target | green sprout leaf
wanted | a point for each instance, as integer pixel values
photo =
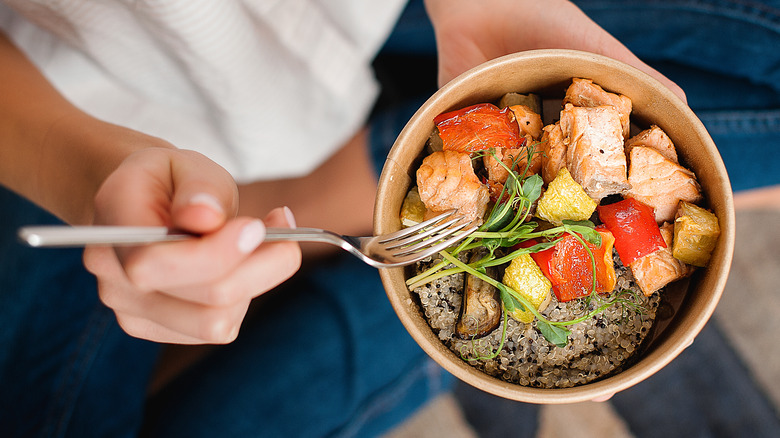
(584, 228)
(510, 302)
(556, 334)
(532, 187)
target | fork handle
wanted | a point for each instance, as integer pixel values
(64, 236)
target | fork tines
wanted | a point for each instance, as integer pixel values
(430, 236)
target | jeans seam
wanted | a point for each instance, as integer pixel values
(748, 11)
(750, 121)
(74, 374)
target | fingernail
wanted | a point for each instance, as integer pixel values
(289, 216)
(207, 200)
(251, 236)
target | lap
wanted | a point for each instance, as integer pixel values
(66, 367)
(324, 355)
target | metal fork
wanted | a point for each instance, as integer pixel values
(400, 248)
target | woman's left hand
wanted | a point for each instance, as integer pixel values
(469, 33)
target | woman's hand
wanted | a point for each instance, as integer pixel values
(195, 291)
(469, 33)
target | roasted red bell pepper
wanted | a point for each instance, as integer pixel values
(479, 127)
(542, 258)
(569, 268)
(634, 227)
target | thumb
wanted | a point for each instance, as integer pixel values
(614, 49)
(205, 195)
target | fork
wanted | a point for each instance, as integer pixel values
(400, 248)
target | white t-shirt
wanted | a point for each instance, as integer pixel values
(266, 88)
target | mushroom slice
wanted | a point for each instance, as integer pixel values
(481, 309)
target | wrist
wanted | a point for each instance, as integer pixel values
(77, 154)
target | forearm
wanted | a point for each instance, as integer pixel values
(50, 151)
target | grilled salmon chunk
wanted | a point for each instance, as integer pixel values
(583, 92)
(660, 183)
(530, 125)
(657, 269)
(553, 150)
(594, 149)
(654, 138)
(446, 181)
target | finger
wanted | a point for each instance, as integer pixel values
(157, 316)
(103, 262)
(668, 83)
(267, 267)
(205, 194)
(612, 48)
(597, 40)
(168, 187)
(150, 313)
(201, 260)
(603, 398)
(143, 328)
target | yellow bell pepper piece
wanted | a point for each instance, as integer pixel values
(524, 276)
(696, 232)
(413, 209)
(565, 200)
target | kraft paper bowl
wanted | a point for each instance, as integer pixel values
(548, 72)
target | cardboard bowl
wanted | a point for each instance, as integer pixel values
(548, 72)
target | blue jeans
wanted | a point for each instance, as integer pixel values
(66, 369)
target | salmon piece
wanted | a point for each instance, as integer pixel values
(654, 138)
(583, 92)
(498, 173)
(446, 181)
(657, 269)
(553, 152)
(530, 124)
(660, 183)
(594, 149)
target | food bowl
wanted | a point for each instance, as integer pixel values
(548, 73)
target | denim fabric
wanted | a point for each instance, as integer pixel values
(66, 369)
(325, 356)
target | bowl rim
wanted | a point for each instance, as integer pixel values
(656, 359)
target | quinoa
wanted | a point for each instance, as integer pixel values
(597, 347)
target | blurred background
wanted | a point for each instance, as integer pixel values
(727, 383)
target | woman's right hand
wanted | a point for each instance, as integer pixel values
(195, 291)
